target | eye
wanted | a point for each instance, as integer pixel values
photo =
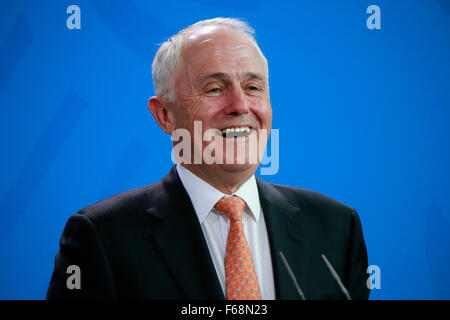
(252, 88)
(214, 90)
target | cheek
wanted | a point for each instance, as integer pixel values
(207, 111)
(189, 110)
(263, 110)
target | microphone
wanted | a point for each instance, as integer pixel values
(291, 275)
(336, 277)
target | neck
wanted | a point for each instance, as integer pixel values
(224, 178)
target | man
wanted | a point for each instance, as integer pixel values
(211, 229)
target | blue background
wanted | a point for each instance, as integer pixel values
(363, 117)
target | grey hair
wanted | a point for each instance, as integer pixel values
(167, 58)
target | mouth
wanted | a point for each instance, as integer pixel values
(236, 132)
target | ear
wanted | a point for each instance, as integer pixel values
(162, 113)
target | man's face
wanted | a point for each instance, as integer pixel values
(222, 83)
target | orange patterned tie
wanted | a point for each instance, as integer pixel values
(240, 273)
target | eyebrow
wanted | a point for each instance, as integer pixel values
(225, 76)
(255, 76)
(216, 75)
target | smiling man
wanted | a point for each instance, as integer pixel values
(221, 80)
(211, 229)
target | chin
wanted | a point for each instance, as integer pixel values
(235, 168)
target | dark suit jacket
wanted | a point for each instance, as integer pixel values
(147, 243)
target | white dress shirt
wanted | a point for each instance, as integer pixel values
(215, 226)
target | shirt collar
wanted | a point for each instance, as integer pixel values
(204, 196)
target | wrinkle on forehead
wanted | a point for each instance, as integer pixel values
(237, 50)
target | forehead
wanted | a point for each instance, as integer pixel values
(221, 49)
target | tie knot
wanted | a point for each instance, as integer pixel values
(232, 207)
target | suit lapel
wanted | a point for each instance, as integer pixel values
(179, 240)
(284, 221)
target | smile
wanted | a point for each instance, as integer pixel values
(236, 132)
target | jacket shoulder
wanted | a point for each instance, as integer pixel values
(124, 209)
(123, 202)
(313, 200)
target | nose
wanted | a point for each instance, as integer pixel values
(237, 102)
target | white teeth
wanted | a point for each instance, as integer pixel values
(237, 129)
